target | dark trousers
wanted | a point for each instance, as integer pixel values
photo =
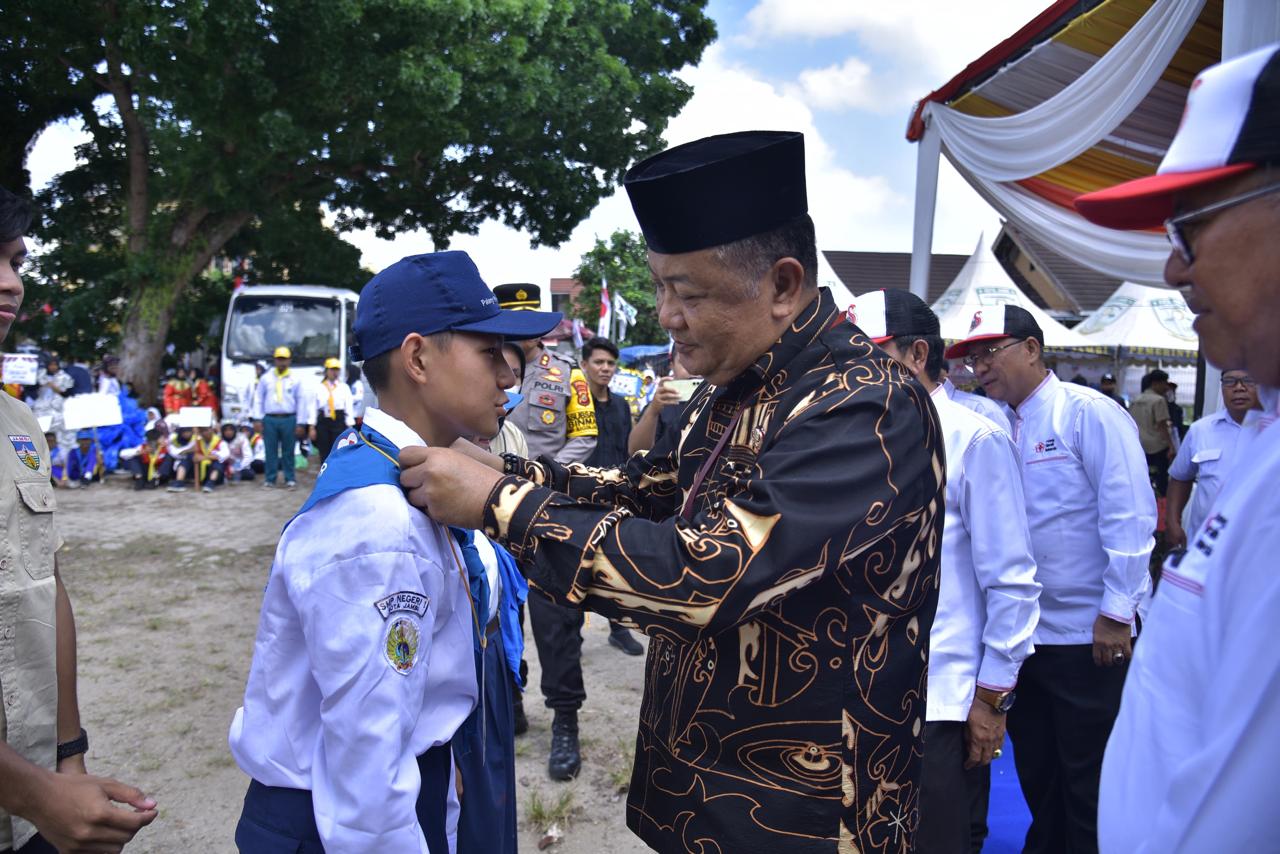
(1158, 465)
(278, 437)
(944, 805)
(37, 845)
(1059, 726)
(484, 750)
(979, 786)
(557, 631)
(327, 432)
(276, 820)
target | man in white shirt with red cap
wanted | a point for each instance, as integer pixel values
(1191, 765)
(988, 594)
(1092, 514)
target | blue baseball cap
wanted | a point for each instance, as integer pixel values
(435, 292)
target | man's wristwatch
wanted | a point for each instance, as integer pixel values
(1001, 701)
(74, 747)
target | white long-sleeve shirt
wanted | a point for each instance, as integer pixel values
(1090, 508)
(363, 661)
(292, 399)
(1191, 763)
(984, 406)
(987, 597)
(343, 406)
(1205, 456)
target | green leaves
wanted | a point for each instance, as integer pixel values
(623, 261)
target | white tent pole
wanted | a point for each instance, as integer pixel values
(928, 149)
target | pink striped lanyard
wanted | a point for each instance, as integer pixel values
(705, 468)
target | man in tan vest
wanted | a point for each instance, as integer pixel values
(47, 800)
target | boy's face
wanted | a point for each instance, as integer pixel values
(467, 391)
(229, 432)
(51, 439)
(85, 445)
(12, 254)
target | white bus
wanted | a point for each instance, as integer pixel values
(314, 322)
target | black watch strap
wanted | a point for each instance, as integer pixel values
(74, 747)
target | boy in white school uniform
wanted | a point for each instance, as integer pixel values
(363, 665)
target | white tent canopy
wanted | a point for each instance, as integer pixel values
(982, 283)
(1140, 319)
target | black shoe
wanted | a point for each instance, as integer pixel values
(522, 721)
(621, 638)
(566, 759)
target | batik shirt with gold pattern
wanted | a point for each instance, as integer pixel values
(788, 615)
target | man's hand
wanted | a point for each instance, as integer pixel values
(449, 486)
(76, 813)
(1112, 643)
(1174, 535)
(479, 454)
(666, 395)
(983, 734)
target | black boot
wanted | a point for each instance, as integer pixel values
(521, 721)
(566, 760)
(621, 638)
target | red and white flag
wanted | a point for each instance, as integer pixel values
(606, 310)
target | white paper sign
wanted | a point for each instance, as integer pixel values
(83, 411)
(21, 368)
(194, 416)
(627, 385)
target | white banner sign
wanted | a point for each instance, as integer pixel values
(83, 411)
(21, 368)
(194, 416)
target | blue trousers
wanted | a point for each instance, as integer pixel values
(486, 757)
(278, 439)
(276, 820)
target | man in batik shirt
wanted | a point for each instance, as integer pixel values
(780, 550)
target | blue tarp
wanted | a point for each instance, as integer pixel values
(636, 352)
(128, 434)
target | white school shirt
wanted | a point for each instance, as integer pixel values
(1090, 507)
(1191, 762)
(340, 699)
(984, 406)
(341, 401)
(1206, 455)
(987, 608)
(109, 385)
(294, 400)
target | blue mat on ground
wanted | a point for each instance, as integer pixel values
(1007, 817)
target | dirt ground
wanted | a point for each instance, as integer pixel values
(166, 590)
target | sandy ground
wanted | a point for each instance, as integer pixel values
(166, 590)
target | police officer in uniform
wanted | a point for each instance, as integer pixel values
(557, 417)
(47, 801)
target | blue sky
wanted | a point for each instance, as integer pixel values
(845, 72)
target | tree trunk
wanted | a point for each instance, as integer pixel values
(143, 338)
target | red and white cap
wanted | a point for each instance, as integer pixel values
(1231, 125)
(997, 321)
(885, 314)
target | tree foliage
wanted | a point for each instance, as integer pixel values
(623, 261)
(395, 114)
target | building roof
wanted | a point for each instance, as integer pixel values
(1087, 288)
(868, 271)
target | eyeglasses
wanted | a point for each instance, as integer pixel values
(984, 357)
(1180, 236)
(1243, 382)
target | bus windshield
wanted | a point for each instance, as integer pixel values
(308, 326)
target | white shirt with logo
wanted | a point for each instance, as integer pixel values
(363, 661)
(1090, 507)
(1191, 763)
(1206, 455)
(987, 596)
(984, 406)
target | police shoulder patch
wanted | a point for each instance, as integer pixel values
(401, 644)
(405, 600)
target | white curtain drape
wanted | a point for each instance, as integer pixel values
(1135, 256)
(1010, 148)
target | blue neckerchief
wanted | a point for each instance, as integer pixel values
(84, 462)
(359, 458)
(515, 590)
(476, 577)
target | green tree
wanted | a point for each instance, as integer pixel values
(395, 114)
(623, 261)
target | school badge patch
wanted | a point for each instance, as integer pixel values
(25, 448)
(401, 644)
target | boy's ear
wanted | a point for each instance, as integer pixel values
(417, 355)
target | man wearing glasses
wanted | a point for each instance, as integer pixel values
(1192, 761)
(1205, 457)
(1091, 513)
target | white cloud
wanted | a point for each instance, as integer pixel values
(55, 152)
(847, 85)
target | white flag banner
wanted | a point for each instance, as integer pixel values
(626, 315)
(606, 310)
(578, 327)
